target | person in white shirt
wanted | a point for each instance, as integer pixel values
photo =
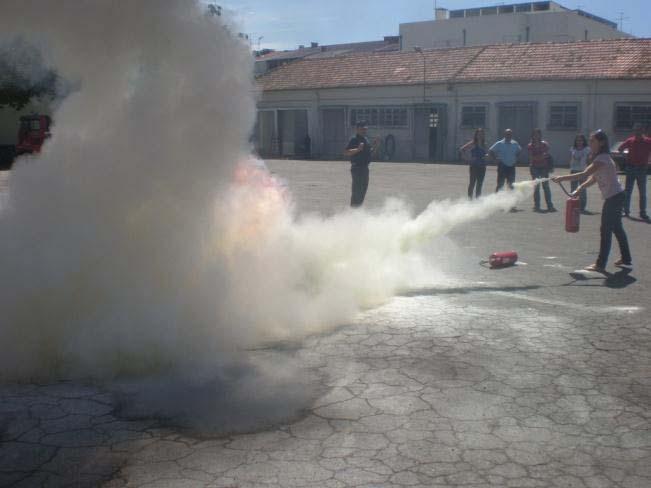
(603, 171)
(579, 156)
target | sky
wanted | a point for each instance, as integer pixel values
(284, 24)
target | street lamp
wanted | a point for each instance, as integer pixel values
(419, 50)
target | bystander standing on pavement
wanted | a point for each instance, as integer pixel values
(639, 152)
(506, 152)
(540, 167)
(579, 154)
(603, 171)
(475, 152)
(359, 150)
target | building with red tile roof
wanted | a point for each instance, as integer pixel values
(611, 59)
(431, 101)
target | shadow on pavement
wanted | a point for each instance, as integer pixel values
(620, 279)
(465, 290)
(636, 219)
(244, 397)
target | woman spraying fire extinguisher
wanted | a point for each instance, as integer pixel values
(602, 170)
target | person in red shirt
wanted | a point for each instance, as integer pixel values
(539, 163)
(639, 152)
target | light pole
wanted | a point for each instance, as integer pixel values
(419, 50)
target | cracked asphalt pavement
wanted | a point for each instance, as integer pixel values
(532, 376)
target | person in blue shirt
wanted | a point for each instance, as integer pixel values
(506, 152)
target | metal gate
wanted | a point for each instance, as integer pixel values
(292, 130)
(266, 131)
(520, 117)
(334, 132)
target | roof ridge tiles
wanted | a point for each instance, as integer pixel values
(530, 61)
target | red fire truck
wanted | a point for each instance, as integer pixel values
(33, 131)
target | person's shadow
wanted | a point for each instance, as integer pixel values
(619, 279)
(636, 219)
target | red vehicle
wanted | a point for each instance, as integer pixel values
(621, 159)
(34, 129)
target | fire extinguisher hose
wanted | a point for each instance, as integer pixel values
(564, 190)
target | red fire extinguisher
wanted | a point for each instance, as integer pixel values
(572, 212)
(502, 259)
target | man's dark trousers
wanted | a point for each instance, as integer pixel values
(360, 184)
(635, 174)
(505, 173)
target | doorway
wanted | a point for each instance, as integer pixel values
(292, 131)
(334, 132)
(520, 117)
(265, 130)
(428, 136)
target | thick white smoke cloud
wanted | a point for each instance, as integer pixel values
(103, 241)
(318, 271)
(126, 248)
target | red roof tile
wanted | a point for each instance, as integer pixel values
(610, 59)
(607, 59)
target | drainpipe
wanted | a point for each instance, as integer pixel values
(454, 119)
(419, 50)
(593, 103)
(279, 149)
(317, 132)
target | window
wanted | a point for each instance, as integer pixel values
(29, 124)
(523, 7)
(368, 115)
(563, 116)
(473, 116)
(540, 6)
(379, 116)
(627, 115)
(489, 11)
(393, 117)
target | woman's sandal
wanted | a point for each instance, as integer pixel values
(623, 264)
(595, 267)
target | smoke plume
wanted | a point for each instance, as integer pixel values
(145, 240)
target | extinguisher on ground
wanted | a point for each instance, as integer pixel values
(502, 259)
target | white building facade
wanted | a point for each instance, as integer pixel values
(560, 109)
(505, 24)
(429, 121)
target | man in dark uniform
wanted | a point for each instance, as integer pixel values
(359, 151)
